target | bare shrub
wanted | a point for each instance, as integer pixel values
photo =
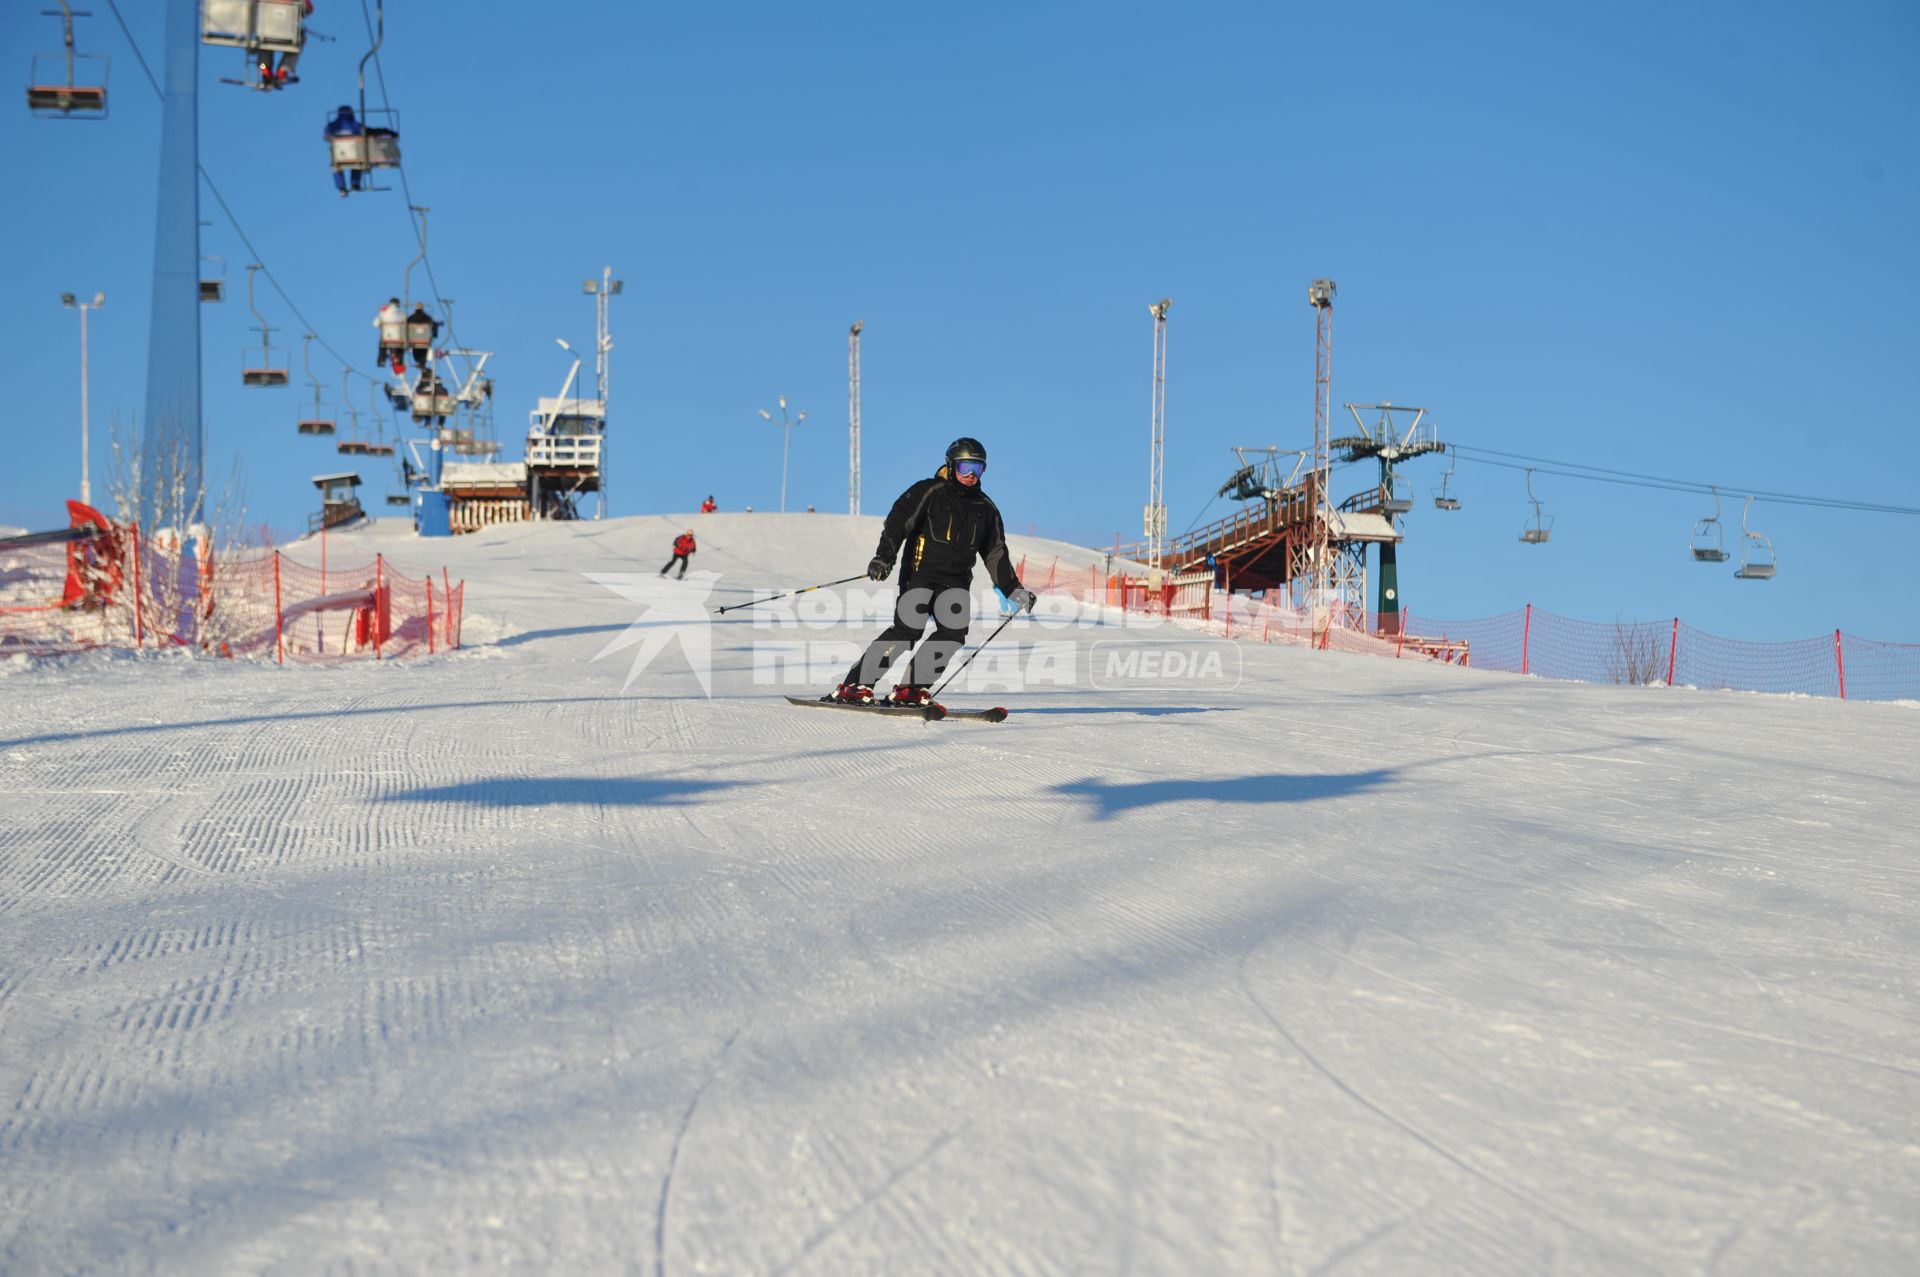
(1636, 657)
(189, 550)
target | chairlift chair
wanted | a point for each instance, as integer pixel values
(399, 498)
(1396, 494)
(1443, 498)
(1756, 552)
(352, 446)
(432, 401)
(260, 29)
(214, 289)
(1542, 528)
(266, 372)
(319, 423)
(1707, 544)
(68, 85)
(419, 335)
(375, 147)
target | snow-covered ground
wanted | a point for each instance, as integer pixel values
(493, 961)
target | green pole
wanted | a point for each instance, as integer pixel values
(1388, 608)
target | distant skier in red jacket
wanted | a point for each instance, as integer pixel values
(683, 548)
(708, 506)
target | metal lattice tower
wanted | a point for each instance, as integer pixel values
(1156, 512)
(853, 417)
(1313, 573)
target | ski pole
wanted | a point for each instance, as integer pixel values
(860, 576)
(955, 672)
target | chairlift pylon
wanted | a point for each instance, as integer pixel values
(262, 30)
(1542, 527)
(1443, 499)
(56, 89)
(1707, 543)
(1756, 552)
(265, 373)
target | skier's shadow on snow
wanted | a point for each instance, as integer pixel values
(531, 636)
(578, 791)
(1146, 711)
(1110, 799)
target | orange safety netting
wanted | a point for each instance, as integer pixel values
(115, 588)
(1531, 641)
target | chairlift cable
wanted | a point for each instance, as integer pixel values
(386, 104)
(1627, 478)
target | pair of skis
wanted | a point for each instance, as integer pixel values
(932, 712)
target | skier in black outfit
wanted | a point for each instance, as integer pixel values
(941, 523)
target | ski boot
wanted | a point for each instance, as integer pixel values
(853, 694)
(914, 694)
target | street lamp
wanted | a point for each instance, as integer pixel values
(786, 432)
(71, 303)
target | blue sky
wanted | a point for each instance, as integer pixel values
(1673, 240)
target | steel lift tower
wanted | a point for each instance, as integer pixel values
(1390, 442)
(853, 417)
(1155, 520)
(1312, 574)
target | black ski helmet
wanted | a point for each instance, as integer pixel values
(966, 449)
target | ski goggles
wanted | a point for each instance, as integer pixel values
(973, 469)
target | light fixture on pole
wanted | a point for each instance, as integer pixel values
(72, 303)
(1156, 512)
(786, 432)
(603, 291)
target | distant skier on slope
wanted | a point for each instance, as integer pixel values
(941, 523)
(683, 548)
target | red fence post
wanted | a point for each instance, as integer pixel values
(1400, 638)
(139, 626)
(1526, 632)
(279, 657)
(1673, 650)
(429, 616)
(1839, 666)
(379, 590)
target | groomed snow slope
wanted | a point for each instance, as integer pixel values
(483, 963)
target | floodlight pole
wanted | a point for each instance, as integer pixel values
(786, 448)
(1156, 516)
(72, 303)
(853, 417)
(603, 291)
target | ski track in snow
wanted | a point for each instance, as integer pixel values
(481, 962)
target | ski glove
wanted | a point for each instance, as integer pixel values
(1023, 598)
(878, 569)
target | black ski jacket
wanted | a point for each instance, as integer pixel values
(941, 524)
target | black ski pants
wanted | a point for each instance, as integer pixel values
(945, 605)
(681, 559)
